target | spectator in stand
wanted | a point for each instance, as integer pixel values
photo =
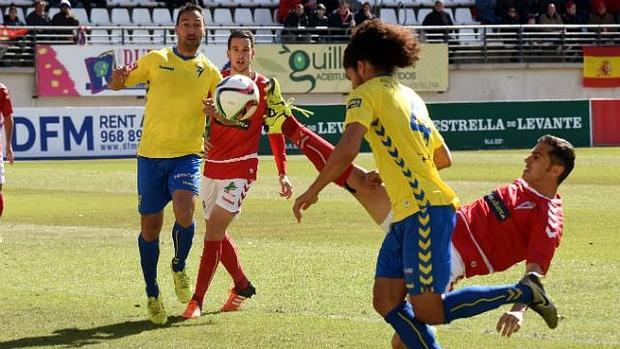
(438, 17)
(511, 17)
(285, 7)
(550, 17)
(295, 19)
(341, 18)
(364, 13)
(571, 16)
(11, 18)
(613, 7)
(65, 17)
(318, 19)
(528, 11)
(38, 16)
(601, 16)
(330, 5)
(501, 10)
(487, 10)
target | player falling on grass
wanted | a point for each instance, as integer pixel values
(6, 148)
(230, 168)
(415, 256)
(169, 153)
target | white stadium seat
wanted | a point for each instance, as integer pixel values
(161, 16)
(406, 16)
(243, 16)
(222, 16)
(141, 16)
(120, 16)
(99, 16)
(141, 36)
(463, 15)
(263, 16)
(80, 15)
(220, 36)
(388, 15)
(264, 36)
(98, 36)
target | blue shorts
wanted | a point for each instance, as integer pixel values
(159, 178)
(417, 249)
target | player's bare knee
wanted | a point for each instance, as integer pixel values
(428, 308)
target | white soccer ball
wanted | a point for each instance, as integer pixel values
(236, 98)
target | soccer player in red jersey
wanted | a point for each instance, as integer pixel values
(231, 164)
(6, 122)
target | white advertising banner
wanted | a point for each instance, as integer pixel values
(73, 70)
(76, 133)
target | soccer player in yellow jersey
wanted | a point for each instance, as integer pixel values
(169, 153)
(415, 256)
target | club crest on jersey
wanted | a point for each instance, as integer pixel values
(199, 70)
(354, 103)
(527, 205)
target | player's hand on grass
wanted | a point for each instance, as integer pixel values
(303, 202)
(286, 188)
(373, 180)
(510, 323)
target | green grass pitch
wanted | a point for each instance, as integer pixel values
(70, 275)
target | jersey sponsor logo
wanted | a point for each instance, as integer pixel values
(230, 187)
(199, 70)
(497, 206)
(166, 67)
(354, 103)
(527, 205)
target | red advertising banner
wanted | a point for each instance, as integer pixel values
(605, 121)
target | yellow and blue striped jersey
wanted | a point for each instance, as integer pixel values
(174, 122)
(403, 139)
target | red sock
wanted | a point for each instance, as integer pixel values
(315, 148)
(230, 260)
(1, 204)
(211, 254)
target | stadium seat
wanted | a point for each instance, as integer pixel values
(426, 3)
(116, 36)
(222, 16)
(98, 37)
(422, 14)
(161, 16)
(141, 16)
(263, 16)
(99, 16)
(141, 36)
(462, 15)
(406, 16)
(468, 36)
(265, 3)
(120, 16)
(80, 15)
(388, 15)
(243, 16)
(264, 36)
(220, 36)
(20, 14)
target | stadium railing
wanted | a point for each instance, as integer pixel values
(466, 43)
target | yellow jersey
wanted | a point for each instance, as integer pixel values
(174, 122)
(403, 139)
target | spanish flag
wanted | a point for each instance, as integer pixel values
(601, 66)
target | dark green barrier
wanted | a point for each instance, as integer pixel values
(492, 125)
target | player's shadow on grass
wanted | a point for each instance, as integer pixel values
(75, 337)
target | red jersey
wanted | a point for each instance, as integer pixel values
(509, 225)
(234, 151)
(6, 107)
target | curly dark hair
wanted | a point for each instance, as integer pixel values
(386, 46)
